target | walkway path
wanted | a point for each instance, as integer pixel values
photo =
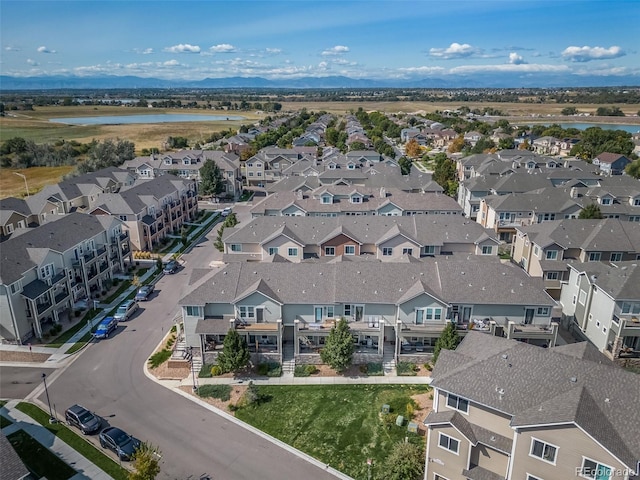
(85, 468)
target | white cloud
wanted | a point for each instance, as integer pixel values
(32, 62)
(455, 50)
(183, 48)
(515, 59)
(44, 49)
(337, 50)
(171, 63)
(143, 51)
(11, 49)
(422, 70)
(273, 51)
(223, 48)
(586, 53)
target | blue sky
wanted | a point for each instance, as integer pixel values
(359, 39)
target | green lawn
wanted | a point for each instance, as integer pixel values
(75, 441)
(38, 458)
(341, 425)
(65, 336)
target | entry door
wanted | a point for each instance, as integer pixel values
(259, 315)
(528, 315)
(359, 311)
(318, 314)
(466, 314)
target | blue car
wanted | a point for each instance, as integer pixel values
(106, 326)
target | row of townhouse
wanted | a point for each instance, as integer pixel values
(46, 270)
(504, 410)
(388, 239)
(315, 132)
(151, 209)
(373, 176)
(356, 133)
(186, 164)
(75, 194)
(393, 309)
(337, 200)
(545, 249)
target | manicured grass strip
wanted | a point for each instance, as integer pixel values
(125, 284)
(75, 441)
(222, 392)
(38, 459)
(86, 338)
(66, 335)
(341, 425)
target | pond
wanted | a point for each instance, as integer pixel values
(604, 126)
(130, 119)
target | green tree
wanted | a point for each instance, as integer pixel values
(159, 263)
(404, 462)
(590, 211)
(569, 111)
(412, 148)
(448, 340)
(252, 394)
(338, 348)
(445, 175)
(405, 165)
(211, 181)
(145, 462)
(633, 169)
(235, 353)
(506, 144)
(357, 146)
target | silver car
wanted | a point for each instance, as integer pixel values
(126, 310)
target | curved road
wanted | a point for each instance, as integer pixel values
(108, 378)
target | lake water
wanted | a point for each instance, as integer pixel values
(129, 119)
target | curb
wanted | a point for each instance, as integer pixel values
(244, 425)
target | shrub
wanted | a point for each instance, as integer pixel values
(407, 369)
(363, 369)
(205, 371)
(216, 370)
(305, 370)
(375, 369)
(116, 282)
(270, 369)
(221, 392)
(428, 366)
(77, 313)
(159, 358)
(233, 407)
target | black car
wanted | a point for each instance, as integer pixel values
(144, 293)
(170, 267)
(120, 442)
(83, 419)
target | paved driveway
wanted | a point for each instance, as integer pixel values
(108, 378)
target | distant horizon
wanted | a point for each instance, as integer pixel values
(455, 44)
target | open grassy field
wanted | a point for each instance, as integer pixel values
(37, 177)
(340, 425)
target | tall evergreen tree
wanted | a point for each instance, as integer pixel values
(590, 211)
(448, 340)
(235, 353)
(338, 348)
(211, 181)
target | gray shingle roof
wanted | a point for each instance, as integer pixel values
(539, 386)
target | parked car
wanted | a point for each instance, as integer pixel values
(144, 293)
(225, 212)
(120, 442)
(126, 310)
(170, 267)
(83, 419)
(105, 327)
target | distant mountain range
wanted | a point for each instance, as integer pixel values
(331, 82)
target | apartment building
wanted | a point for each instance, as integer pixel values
(395, 308)
(601, 301)
(388, 239)
(505, 410)
(47, 269)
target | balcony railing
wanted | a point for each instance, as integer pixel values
(104, 266)
(42, 307)
(61, 297)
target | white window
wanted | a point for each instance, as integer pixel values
(543, 451)
(387, 251)
(273, 250)
(542, 311)
(329, 251)
(251, 174)
(536, 251)
(433, 313)
(616, 257)
(592, 469)
(606, 201)
(236, 247)
(420, 316)
(448, 443)
(636, 202)
(487, 250)
(429, 249)
(292, 252)
(356, 199)
(582, 297)
(552, 254)
(326, 199)
(552, 275)
(9, 228)
(276, 165)
(594, 256)
(258, 174)
(246, 311)
(16, 287)
(459, 403)
(193, 311)
(249, 165)
(46, 271)
(349, 249)
(407, 251)
(630, 307)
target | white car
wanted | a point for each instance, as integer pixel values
(126, 310)
(226, 212)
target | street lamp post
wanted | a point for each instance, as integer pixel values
(52, 419)
(24, 177)
(193, 372)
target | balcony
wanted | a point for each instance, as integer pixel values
(59, 278)
(101, 250)
(92, 273)
(123, 236)
(43, 307)
(104, 266)
(476, 472)
(89, 256)
(61, 297)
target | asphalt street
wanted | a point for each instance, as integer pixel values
(18, 382)
(108, 378)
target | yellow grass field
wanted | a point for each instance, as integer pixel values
(12, 185)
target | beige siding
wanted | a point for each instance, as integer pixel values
(482, 416)
(444, 462)
(572, 443)
(490, 459)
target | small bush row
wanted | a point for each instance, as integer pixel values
(407, 369)
(305, 370)
(221, 392)
(271, 369)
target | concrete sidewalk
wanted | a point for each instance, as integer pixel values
(291, 380)
(85, 468)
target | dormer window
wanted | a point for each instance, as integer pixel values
(635, 202)
(326, 199)
(356, 199)
(606, 201)
(167, 161)
(351, 166)
(186, 161)
(332, 166)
